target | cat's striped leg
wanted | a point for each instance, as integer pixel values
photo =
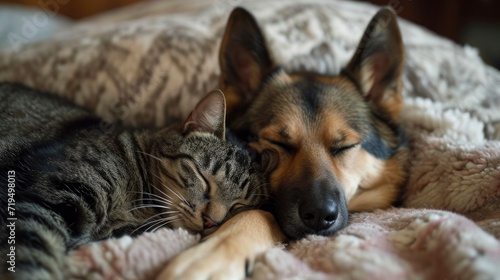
(40, 243)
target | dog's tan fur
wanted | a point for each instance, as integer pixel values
(369, 183)
(371, 85)
(224, 255)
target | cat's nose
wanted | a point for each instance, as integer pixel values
(208, 222)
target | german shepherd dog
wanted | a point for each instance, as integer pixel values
(330, 144)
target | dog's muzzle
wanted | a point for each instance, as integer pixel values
(319, 208)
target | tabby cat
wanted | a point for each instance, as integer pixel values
(75, 180)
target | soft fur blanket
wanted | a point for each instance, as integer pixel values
(391, 244)
(144, 59)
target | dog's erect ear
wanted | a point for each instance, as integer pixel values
(209, 115)
(244, 59)
(377, 64)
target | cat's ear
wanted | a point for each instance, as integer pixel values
(377, 65)
(209, 115)
(244, 59)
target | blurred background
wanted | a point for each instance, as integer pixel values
(472, 22)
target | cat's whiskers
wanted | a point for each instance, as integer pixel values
(180, 196)
(264, 195)
(162, 221)
(162, 213)
(154, 222)
(164, 224)
(161, 181)
(158, 189)
(157, 196)
(151, 156)
(142, 206)
(168, 203)
(263, 184)
(188, 210)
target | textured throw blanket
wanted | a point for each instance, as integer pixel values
(132, 66)
(391, 244)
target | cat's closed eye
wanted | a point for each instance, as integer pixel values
(237, 206)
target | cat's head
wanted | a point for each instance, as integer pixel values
(204, 178)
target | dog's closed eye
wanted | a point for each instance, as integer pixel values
(284, 146)
(337, 151)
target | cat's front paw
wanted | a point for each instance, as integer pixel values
(216, 258)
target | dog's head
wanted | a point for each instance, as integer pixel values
(327, 141)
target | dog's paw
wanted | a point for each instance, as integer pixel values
(215, 258)
(229, 252)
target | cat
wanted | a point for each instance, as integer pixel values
(72, 179)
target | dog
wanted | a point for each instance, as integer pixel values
(330, 144)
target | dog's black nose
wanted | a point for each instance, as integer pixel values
(318, 215)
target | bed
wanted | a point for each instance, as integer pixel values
(148, 64)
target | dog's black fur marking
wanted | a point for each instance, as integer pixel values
(374, 145)
(311, 97)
